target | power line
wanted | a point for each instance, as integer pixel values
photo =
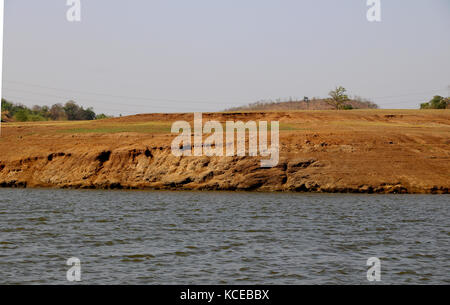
(74, 98)
(113, 96)
(95, 102)
(33, 100)
(22, 99)
(89, 99)
(408, 94)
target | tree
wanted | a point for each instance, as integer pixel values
(57, 112)
(7, 106)
(88, 114)
(338, 98)
(21, 115)
(438, 102)
(40, 112)
(72, 110)
(77, 113)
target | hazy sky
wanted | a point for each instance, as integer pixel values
(205, 55)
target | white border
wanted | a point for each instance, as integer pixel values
(2, 15)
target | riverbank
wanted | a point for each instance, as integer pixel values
(359, 151)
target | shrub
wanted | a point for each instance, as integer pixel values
(36, 118)
(21, 115)
(347, 107)
(102, 116)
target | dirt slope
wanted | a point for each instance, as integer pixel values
(382, 151)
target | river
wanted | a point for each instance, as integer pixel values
(146, 237)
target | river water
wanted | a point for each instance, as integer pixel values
(142, 237)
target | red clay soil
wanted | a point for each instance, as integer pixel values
(360, 151)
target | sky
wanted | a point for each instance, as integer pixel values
(144, 56)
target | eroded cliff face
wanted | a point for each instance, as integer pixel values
(157, 168)
(316, 160)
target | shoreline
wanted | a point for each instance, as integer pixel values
(242, 191)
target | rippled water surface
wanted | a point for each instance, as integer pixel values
(222, 238)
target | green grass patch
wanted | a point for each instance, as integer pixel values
(293, 127)
(150, 127)
(153, 127)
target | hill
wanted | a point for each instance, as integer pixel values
(314, 104)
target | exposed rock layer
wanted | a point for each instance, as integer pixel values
(360, 152)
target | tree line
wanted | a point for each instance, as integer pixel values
(69, 111)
